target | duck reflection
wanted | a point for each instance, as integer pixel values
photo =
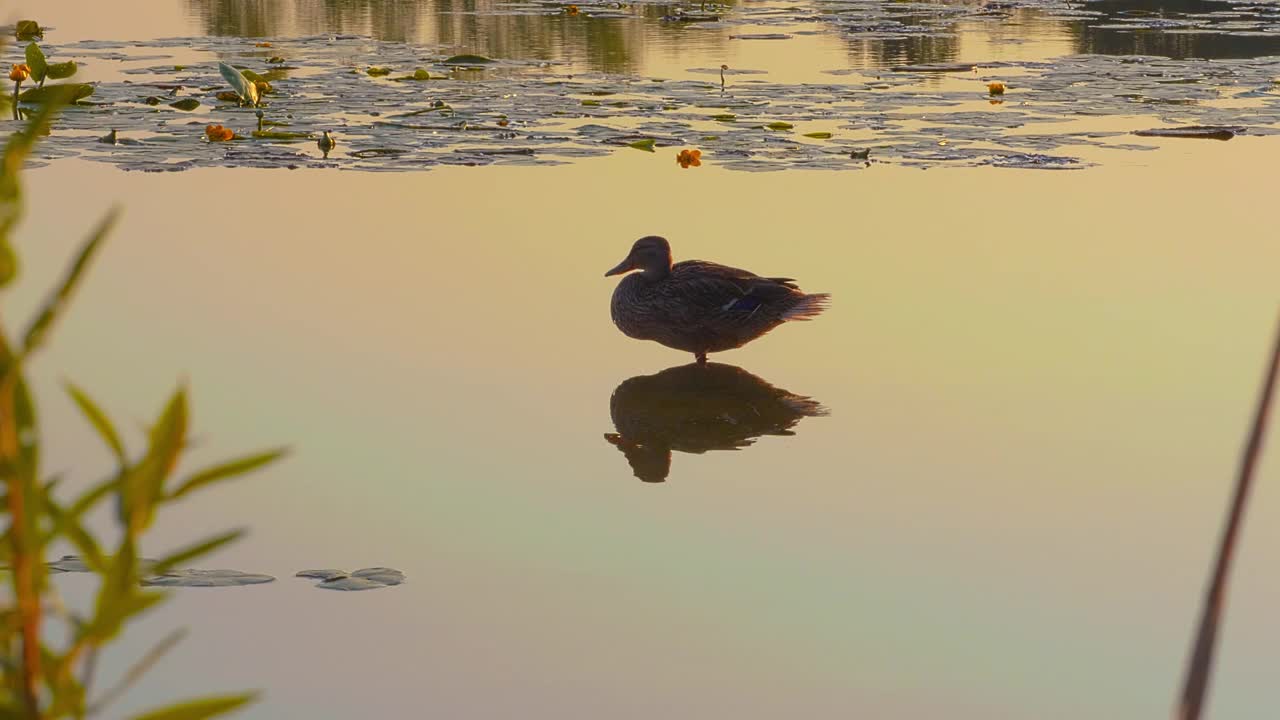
(695, 408)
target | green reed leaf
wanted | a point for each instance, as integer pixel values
(55, 305)
(99, 420)
(191, 552)
(227, 470)
(200, 709)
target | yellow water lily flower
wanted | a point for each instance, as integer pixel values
(20, 73)
(995, 88)
(571, 10)
(689, 158)
(217, 133)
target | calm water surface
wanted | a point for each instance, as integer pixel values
(1037, 382)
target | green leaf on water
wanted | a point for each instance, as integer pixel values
(467, 60)
(646, 144)
(725, 117)
(35, 60)
(27, 30)
(421, 74)
(280, 135)
(75, 92)
(227, 470)
(179, 68)
(378, 71)
(275, 60)
(779, 125)
(62, 70)
(591, 103)
(185, 104)
(199, 709)
(818, 135)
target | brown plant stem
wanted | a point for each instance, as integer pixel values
(1196, 685)
(24, 585)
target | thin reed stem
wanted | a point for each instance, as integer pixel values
(1200, 665)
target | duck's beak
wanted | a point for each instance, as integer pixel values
(621, 267)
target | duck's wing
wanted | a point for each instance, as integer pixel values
(709, 289)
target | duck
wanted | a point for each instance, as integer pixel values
(698, 306)
(326, 143)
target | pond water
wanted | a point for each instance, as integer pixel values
(1033, 383)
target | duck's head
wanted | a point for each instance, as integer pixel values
(650, 255)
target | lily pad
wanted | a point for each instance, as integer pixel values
(62, 70)
(363, 579)
(646, 144)
(36, 61)
(1203, 132)
(206, 578)
(39, 95)
(779, 126)
(347, 582)
(378, 71)
(819, 135)
(467, 60)
(327, 574)
(28, 30)
(280, 135)
(187, 104)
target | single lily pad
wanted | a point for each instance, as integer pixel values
(363, 579)
(819, 135)
(40, 95)
(28, 30)
(280, 135)
(347, 582)
(36, 61)
(378, 71)
(61, 70)
(1204, 132)
(326, 574)
(646, 144)
(185, 104)
(779, 125)
(467, 60)
(206, 578)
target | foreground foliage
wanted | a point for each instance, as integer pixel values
(43, 679)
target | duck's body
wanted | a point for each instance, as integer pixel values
(701, 307)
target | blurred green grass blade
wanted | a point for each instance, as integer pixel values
(200, 709)
(68, 526)
(140, 668)
(55, 305)
(144, 486)
(228, 470)
(92, 496)
(119, 584)
(204, 547)
(99, 420)
(15, 154)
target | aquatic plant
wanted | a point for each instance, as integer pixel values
(49, 652)
(1195, 687)
(689, 158)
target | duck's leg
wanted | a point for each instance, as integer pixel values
(701, 357)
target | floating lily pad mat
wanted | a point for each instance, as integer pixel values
(172, 578)
(363, 579)
(206, 578)
(533, 113)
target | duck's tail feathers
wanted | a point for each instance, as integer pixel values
(808, 307)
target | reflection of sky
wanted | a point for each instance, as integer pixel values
(1038, 384)
(1038, 388)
